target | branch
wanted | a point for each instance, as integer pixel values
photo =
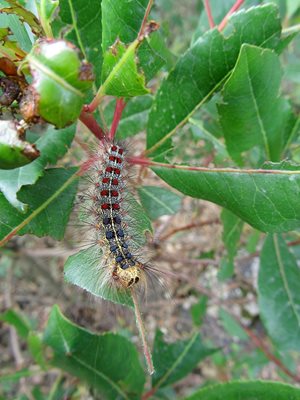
(209, 14)
(188, 227)
(234, 8)
(90, 122)
(140, 160)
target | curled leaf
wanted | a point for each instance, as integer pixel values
(60, 82)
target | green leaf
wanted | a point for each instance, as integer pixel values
(24, 15)
(49, 201)
(134, 116)
(107, 362)
(268, 199)
(174, 361)
(18, 321)
(278, 293)
(16, 376)
(251, 112)
(85, 20)
(231, 326)
(232, 229)
(52, 145)
(122, 19)
(14, 152)
(119, 72)
(60, 83)
(202, 70)
(198, 310)
(159, 201)
(36, 348)
(258, 390)
(86, 270)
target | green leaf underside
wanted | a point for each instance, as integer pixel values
(127, 17)
(134, 116)
(203, 69)
(17, 320)
(86, 270)
(107, 362)
(52, 144)
(251, 112)
(85, 19)
(268, 201)
(175, 360)
(232, 229)
(56, 69)
(278, 293)
(18, 29)
(159, 201)
(50, 202)
(258, 390)
(120, 74)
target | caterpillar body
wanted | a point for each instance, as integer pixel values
(122, 268)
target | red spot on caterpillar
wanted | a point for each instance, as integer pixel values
(116, 171)
(114, 193)
(105, 180)
(115, 182)
(105, 206)
(121, 151)
(116, 206)
(109, 169)
(118, 160)
(112, 158)
(104, 192)
(113, 148)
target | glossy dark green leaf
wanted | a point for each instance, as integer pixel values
(159, 201)
(251, 112)
(258, 390)
(86, 270)
(120, 74)
(198, 310)
(173, 361)
(267, 199)
(278, 293)
(85, 20)
(122, 19)
(50, 202)
(53, 144)
(203, 69)
(232, 229)
(108, 362)
(134, 116)
(60, 82)
(18, 321)
(14, 152)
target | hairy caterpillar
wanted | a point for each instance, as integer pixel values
(108, 213)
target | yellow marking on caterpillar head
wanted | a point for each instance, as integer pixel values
(128, 277)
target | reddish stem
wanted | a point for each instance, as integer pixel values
(144, 22)
(209, 14)
(234, 8)
(89, 121)
(120, 105)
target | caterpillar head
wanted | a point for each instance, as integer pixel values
(128, 277)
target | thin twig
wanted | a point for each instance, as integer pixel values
(209, 14)
(234, 8)
(120, 105)
(188, 227)
(258, 342)
(141, 328)
(144, 22)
